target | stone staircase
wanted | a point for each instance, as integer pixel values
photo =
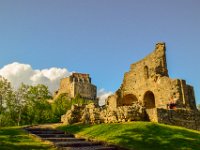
(66, 141)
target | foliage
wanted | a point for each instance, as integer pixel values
(30, 105)
(63, 103)
(12, 138)
(7, 103)
(60, 105)
(139, 135)
(38, 110)
(80, 101)
(26, 105)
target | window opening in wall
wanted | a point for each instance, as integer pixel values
(146, 72)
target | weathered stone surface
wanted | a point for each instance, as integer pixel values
(147, 93)
(180, 117)
(78, 84)
(148, 83)
(73, 115)
(93, 114)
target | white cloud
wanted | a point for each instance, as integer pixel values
(17, 73)
(103, 94)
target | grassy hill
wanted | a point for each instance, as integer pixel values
(140, 135)
(133, 135)
(14, 138)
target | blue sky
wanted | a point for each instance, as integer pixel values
(101, 37)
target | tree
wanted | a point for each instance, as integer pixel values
(60, 105)
(33, 106)
(37, 106)
(63, 103)
(27, 105)
(6, 102)
(22, 101)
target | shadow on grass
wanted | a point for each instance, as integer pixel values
(6, 146)
(16, 139)
(141, 136)
(156, 137)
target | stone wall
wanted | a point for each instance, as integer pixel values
(146, 93)
(92, 113)
(180, 117)
(85, 90)
(77, 84)
(148, 82)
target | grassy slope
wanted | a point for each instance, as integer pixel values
(140, 135)
(13, 138)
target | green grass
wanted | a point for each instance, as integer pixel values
(140, 135)
(14, 138)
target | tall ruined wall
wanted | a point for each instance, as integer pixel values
(82, 86)
(66, 86)
(148, 82)
(145, 75)
(85, 90)
(78, 84)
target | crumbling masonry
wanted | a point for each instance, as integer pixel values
(147, 93)
(77, 84)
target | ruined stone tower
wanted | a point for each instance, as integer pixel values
(148, 83)
(78, 84)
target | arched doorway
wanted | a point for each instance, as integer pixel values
(149, 100)
(129, 99)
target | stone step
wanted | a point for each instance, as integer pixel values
(65, 141)
(98, 147)
(54, 135)
(76, 144)
(40, 129)
(60, 139)
(47, 132)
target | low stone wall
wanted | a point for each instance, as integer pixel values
(73, 115)
(92, 114)
(152, 115)
(180, 117)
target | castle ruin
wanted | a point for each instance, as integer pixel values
(77, 84)
(147, 93)
(148, 83)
